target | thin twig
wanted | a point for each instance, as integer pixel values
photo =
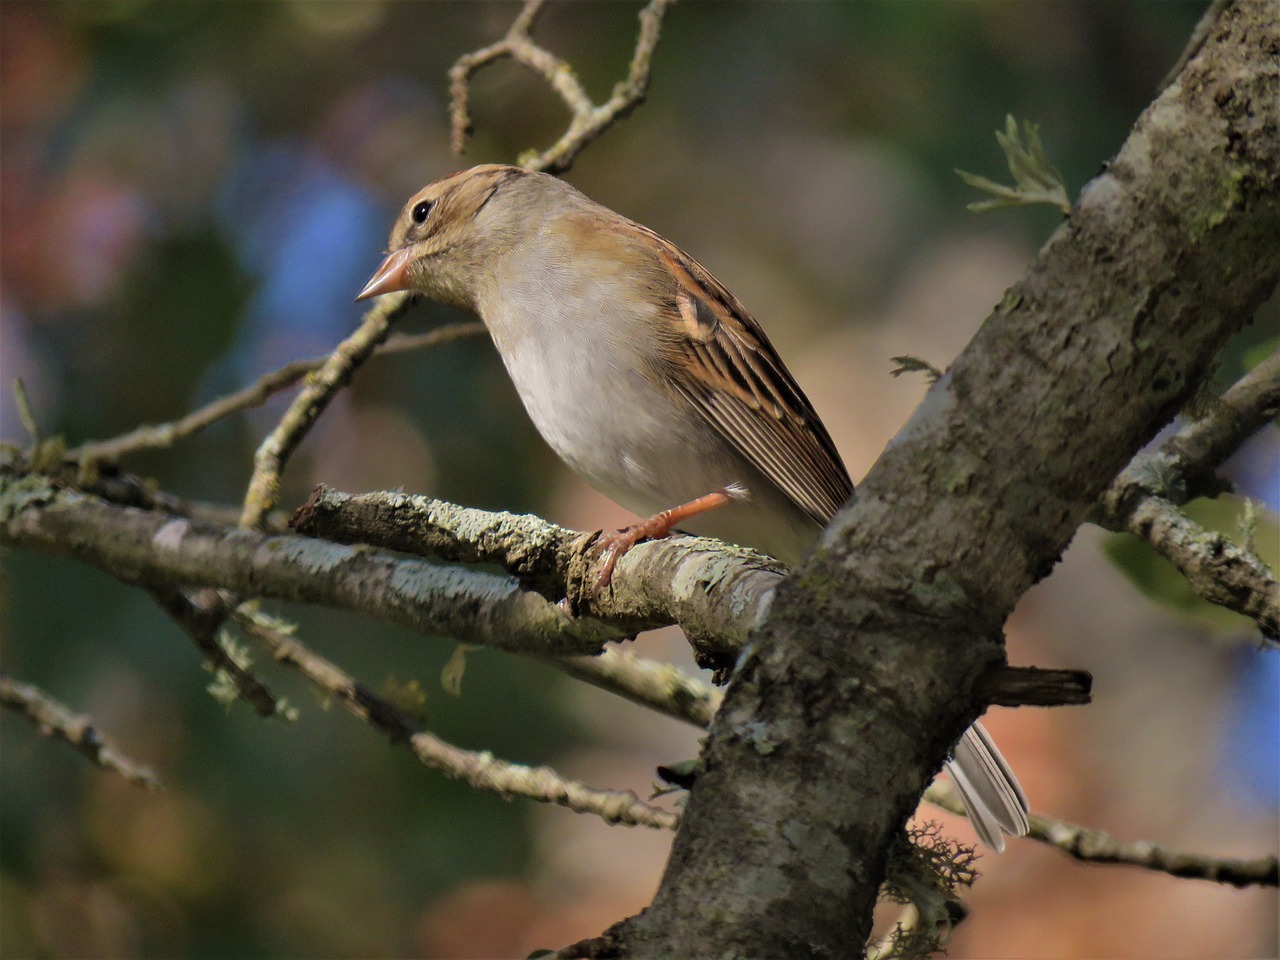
(201, 615)
(164, 435)
(1144, 500)
(268, 463)
(659, 686)
(587, 120)
(55, 719)
(1205, 443)
(481, 770)
(1094, 846)
(130, 490)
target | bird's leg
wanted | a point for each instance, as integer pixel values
(614, 545)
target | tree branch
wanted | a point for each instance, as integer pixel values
(1093, 846)
(201, 616)
(54, 719)
(264, 486)
(587, 120)
(1004, 686)
(1144, 500)
(164, 435)
(481, 770)
(717, 593)
(156, 551)
(659, 686)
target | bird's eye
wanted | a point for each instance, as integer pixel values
(420, 211)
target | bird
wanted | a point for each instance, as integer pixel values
(650, 380)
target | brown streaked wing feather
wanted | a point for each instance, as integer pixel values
(745, 392)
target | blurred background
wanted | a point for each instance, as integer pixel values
(191, 193)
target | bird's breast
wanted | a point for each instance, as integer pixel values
(585, 384)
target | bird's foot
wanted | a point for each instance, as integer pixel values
(614, 545)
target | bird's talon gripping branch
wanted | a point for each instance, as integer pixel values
(614, 545)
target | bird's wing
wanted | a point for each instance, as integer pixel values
(715, 355)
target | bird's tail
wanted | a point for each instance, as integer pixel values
(991, 794)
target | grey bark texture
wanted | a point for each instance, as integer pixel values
(863, 674)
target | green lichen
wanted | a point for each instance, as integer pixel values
(18, 493)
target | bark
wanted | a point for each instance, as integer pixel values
(863, 674)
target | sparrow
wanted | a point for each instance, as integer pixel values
(650, 379)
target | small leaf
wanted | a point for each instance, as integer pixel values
(451, 675)
(682, 774)
(1247, 524)
(223, 689)
(1035, 179)
(24, 411)
(909, 364)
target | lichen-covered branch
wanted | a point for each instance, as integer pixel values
(54, 719)
(1216, 568)
(157, 551)
(201, 614)
(587, 120)
(715, 592)
(1144, 500)
(659, 686)
(479, 769)
(164, 435)
(1094, 846)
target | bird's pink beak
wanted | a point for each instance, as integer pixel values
(390, 276)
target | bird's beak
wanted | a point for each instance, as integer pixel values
(390, 276)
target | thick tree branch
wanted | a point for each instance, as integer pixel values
(156, 551)
(889, 624)
(715, 592)
(54, 719)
